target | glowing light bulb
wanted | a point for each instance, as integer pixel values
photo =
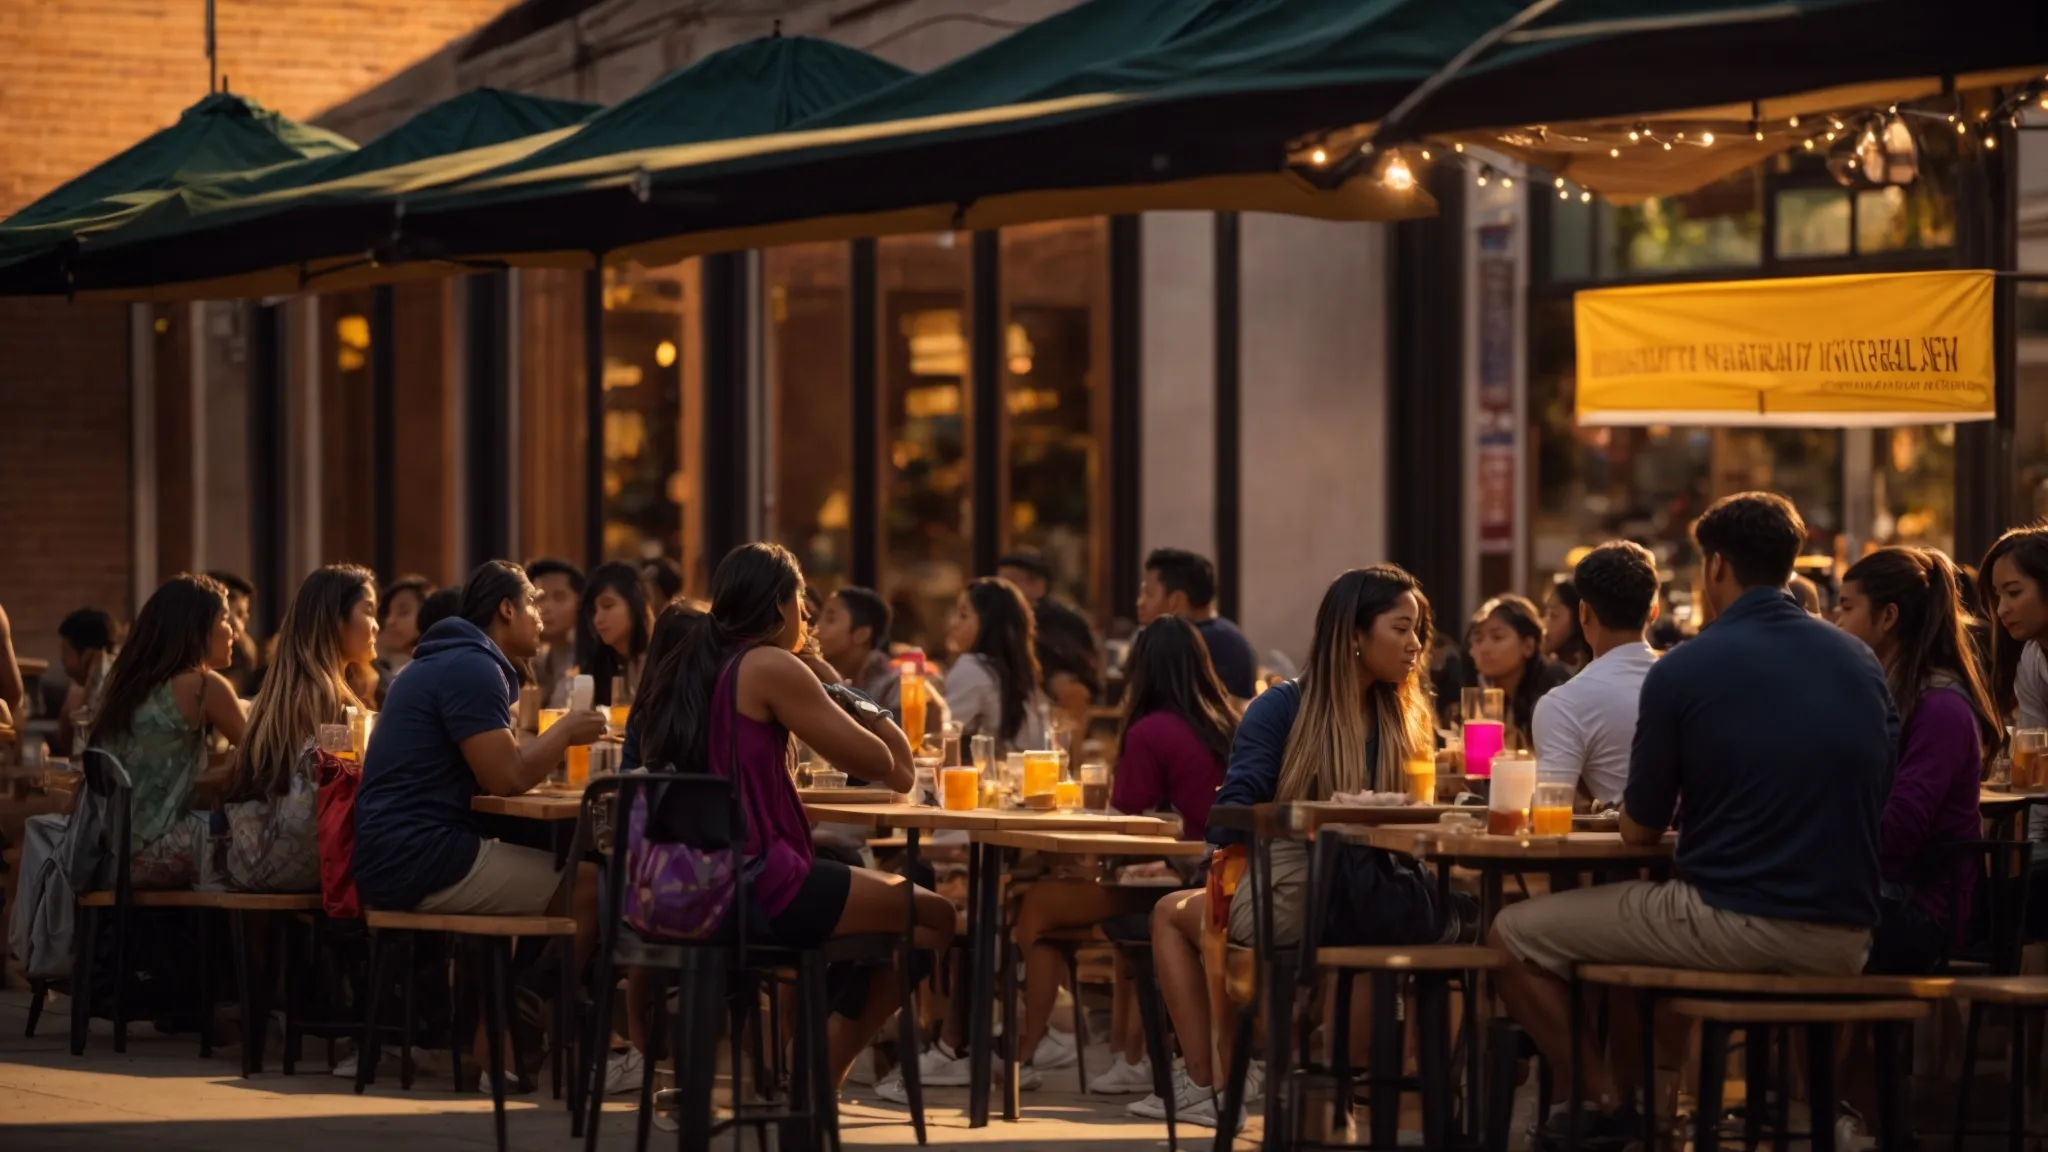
(1634, 135)
(1425, 154)
(1557, 183)
(1759, 135)
(1809, 144)
(1614, 152)
(1667, 145)
(1396, 174)
(1585, 197)
(1507, 181)
(1457, 147)
(1990, 143)
(1793, 121)
(1563, 195)
(1319, 157)
(1707, 139)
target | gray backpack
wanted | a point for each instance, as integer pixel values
(60, 857)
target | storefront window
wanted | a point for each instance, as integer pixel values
(1813, 222)
(1717, 226)
(650, 403)
(923, 308)
(810, 392)
(1056, 389)
(552, 432)
(346, 534)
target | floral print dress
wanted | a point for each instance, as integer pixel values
(164, 755)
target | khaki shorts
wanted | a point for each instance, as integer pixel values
(1290, 897)
(506, 880)
(1669, 926)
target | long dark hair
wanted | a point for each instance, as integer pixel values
(676, 624)
(1169, 671)
(1325, 751)
(2028, 548)
(1008, 640)
(169, 638)
(1538, 672)
(748, 591)
(1576, 650)
(1933, 630)
(595, 657)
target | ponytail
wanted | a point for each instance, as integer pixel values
(748, 591)
(1932, 635)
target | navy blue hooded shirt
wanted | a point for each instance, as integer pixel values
(415, 832)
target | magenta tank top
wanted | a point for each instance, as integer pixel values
(778, 835)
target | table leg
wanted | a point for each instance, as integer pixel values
(1481, 1002)
(980, 969)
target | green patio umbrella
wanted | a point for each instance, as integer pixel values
(221, 134)
(1229, 99)
(324, 233)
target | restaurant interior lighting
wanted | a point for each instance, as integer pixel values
(1396, 174)
(665, 354)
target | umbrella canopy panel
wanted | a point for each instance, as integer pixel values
(221, 134)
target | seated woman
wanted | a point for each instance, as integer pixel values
(1356, 715)
(1173, 738)
(165, 695)
(273, 808)
(612, 630)
(1906, 604)
(728, 699)
(992, 687)
(1563, 639)
(398, 626)
(1505, 645)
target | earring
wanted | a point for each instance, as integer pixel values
(1358, 653)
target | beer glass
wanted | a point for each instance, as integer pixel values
(1485, 711)
(1550, 812)
(1512, 792)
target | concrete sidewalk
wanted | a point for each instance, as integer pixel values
(161, 1096)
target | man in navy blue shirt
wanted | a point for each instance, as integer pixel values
(1182, 583)
(444, 736)
(1769, 740)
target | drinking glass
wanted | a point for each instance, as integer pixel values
(622, 703)
(334, 741)
(1550, 812)
(1418, 777)
(2029, 764)
(1485, 711)
(2000, 773)
(1013, 777)
(548, 716)
(910, 701)
(959, 788)
(927, 764)
(984, 752)
(1512, 790)
(1095, 787)
(1041, 773)
(949, 746)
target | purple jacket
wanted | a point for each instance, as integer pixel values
(1934, 801)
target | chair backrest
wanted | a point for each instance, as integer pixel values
(107, 782)
(698, 810)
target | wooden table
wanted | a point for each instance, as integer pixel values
(1090, 843)
(1305, 817)
(2008, 811)
(532, 805)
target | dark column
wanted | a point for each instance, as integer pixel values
(724, 488)
(384, 432)
(986, 408)
(593, 418)
(1425, 395)
(1122, 535)
(867, 432)
(1985, 238)
(487, 425)
(1229, 404)
(270, 369)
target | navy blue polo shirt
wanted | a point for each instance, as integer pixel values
(1770, 738)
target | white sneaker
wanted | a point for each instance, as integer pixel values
(483, 1083)
(425, 1062)
(346, 1069)
(622, 1072)
(938, 1067)
(863, 1071)
(1055, 1051)
(1123, 1078)
(1185, 1093)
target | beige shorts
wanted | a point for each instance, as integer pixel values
(1290, 897)
(1668, 926)
(505, 880)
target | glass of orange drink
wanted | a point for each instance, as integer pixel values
(959, 789)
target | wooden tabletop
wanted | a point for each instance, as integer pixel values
(1308, 815)
(1091, 843)
(1988, 798)
(532, 805)
(1426, 843)
(980, 819)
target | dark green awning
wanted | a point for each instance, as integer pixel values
(221, 134)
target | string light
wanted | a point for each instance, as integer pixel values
(1396, 174)
(1667, 145)
(1794, 121)
(1614, 152)
(1507, 181)
(1990, 143)
(1635, 135)
(1482, 176)
(1837, 124)
(1557, 183)
(1706, 139)
(1563, 195)
(1425, 154)
(1809, 143)
(1457, 147)
(1961, 129)
(1831, 136)
(1759, 135)
(1585, 197)
(1319, 157)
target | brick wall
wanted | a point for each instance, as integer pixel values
(63, 465)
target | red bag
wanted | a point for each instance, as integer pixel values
(338, 782)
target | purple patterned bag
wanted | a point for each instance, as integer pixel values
(674, 891)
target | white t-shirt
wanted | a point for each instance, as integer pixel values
(1584, 727)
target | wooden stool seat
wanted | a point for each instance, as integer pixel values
(1801, 1012)
(1768, 984)
(472, 925)
(1426, 958)
(2019, 991)
(225, 901)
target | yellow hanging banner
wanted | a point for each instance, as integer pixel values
(1812, 352)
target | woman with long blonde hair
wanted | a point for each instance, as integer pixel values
(272, 810)
(1349, 724)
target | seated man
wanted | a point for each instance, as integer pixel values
(1181, 583)
(85, 645)
(853, 637)
(1771, 736)
(1583, 727)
